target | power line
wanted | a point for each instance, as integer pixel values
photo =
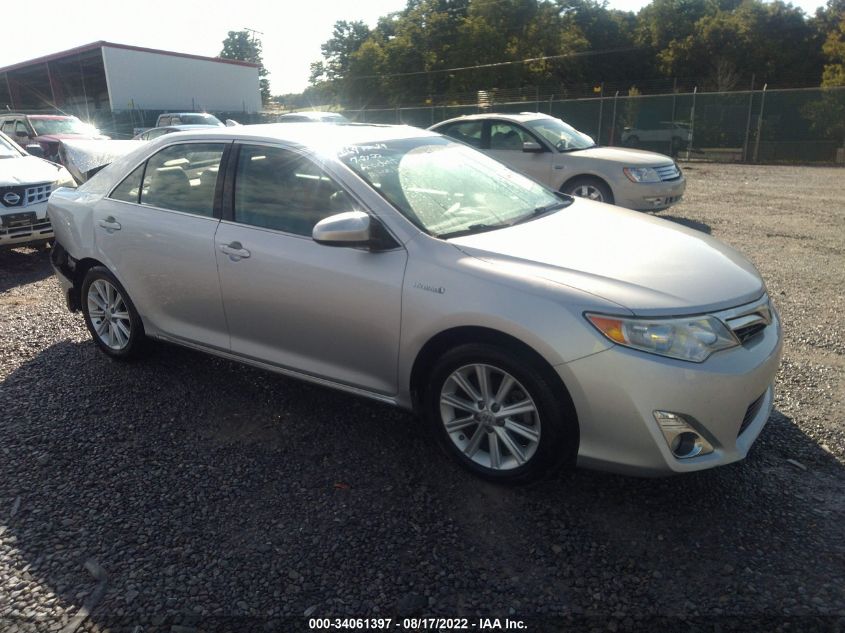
(500, 64)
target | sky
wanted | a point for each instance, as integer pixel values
(292, 31)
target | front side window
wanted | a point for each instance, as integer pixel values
(508, 136)
(183, 178)
(446, 188)
(282, 190)
(563, 137)
(20, 127)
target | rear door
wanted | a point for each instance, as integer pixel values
(331, 312)
(156, 233)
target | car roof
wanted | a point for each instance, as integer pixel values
(520, 117)
(6, 115)
(316, 134)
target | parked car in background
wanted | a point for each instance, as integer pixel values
(155, 132)
(46, 130)
(312, 116)
(188, 118)
(672, 134)
(559, 156)
(25, 185)
(530, 329)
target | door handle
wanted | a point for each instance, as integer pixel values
(235, 251)
(110, 224)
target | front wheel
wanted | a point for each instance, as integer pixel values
(590, 188)
(111, 317)
(498, 414)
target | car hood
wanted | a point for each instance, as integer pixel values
(27, 170)
(648, 265)
(624, 156)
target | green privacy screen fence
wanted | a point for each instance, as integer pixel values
(765, 126)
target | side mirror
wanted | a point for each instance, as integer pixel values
(531, 147)
(35, 150)
(351, 228)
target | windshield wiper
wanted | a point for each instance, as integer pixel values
(472, 229)
(536, 213)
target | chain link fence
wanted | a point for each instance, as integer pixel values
(805, 125)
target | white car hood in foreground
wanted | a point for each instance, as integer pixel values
(27, 170)
(622, 155)
(648, 265)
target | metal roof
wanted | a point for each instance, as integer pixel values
(103, 44)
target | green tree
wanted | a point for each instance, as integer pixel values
(242, 46)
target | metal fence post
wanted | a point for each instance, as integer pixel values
(748, 121)
(613, 119)
(692, 121)
(601, 112)
(760, 124)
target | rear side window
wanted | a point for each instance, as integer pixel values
(468, 132)
(130, 188)
(282, 190)
(183, 178)
(163, 120)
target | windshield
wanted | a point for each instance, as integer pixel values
(68, 125)
(199, 119)
(446, 188)
(563, 137)
(8, 149)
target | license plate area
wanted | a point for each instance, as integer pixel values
(15, 220)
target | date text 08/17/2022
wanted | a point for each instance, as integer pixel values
(418, 623)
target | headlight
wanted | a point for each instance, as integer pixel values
(641, 174)
(692, 338)
(65, 180)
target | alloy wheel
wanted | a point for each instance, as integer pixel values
(588, 191)
(109, 314)
(490, 416)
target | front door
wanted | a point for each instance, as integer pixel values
(332, 312)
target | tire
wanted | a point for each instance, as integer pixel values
(536, 440)
(120, 333)
(590, 188)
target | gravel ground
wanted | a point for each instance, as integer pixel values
(205, 495)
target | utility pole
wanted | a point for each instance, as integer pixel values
(252, 33)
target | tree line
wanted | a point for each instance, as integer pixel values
(445, 49)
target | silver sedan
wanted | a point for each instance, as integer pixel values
(529, 329)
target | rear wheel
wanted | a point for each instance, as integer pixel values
(111, 317)
(590, 188)
(498, 415)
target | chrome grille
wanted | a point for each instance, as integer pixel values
(748, 321)
(668, 172)
(21, 196)
(37, 193)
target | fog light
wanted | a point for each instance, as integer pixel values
(682, 438)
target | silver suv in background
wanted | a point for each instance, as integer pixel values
(559, 156)
(530, 329)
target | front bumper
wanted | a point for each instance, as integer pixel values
(727, 398)
(649, 196)
(33, 232)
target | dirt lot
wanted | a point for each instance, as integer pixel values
(208, 493)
